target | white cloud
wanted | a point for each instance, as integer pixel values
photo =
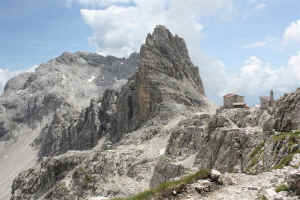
(255, 78)
(256, 44)
(260, 6)
(119, 30)
(97, 3)
(292, 33)
(269, 41)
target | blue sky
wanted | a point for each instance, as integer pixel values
(35, 31)
(243, 46)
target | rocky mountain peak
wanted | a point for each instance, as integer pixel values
(166, 42)
(166, 53)
(166, 83)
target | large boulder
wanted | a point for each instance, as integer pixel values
(294, 182)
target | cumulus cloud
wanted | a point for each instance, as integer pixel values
(97, 3)
(119, 30)
(256, 44)
(255, 78)
(292, 33)
(260, 6)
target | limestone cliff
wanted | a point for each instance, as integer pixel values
(46, 101)
(155, 128)
(165, 89)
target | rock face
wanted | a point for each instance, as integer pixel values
(35, 107)
(128, 128)
(155, 128)
(79, 131)
(166, 82)
(70, 80)
(287, 112)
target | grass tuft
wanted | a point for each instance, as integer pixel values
(170, 185)
(263, 198)
(257, 149)
(285, 161)
(281, 188)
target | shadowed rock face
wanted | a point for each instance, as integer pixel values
(79, 131)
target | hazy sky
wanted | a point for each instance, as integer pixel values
(243, 46)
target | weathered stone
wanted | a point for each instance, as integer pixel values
(157, 127)
(287, 112)
(165, 171)
(62, 87)
(294, 182)
(157, 89)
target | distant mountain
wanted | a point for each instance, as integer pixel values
(63, 85)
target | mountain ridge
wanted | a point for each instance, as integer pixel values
(155, 127)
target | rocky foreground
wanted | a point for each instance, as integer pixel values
(102, 127)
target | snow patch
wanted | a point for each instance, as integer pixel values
(19, 92)
(162, 151)
(92, 79)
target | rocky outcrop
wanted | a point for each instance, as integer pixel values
(156, 127)
(131, 126)
(68, 82)
(28, 184)
(165, 83)
(219, 143)
(73, 131)
(293, 181)
(287, 112)
(37, 107)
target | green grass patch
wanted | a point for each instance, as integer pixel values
(291, 136)
(168, 186)
(281, 188)
(287, 142)
(257, 149)
(285, 161)
(62, 187)
(256, 155)
(263, 198)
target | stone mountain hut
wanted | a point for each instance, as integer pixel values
(234, 101)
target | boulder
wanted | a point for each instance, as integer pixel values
(293, 181)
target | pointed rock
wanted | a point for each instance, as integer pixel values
(167, 83)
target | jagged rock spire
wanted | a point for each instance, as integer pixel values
(166, 81)
(168, 54)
